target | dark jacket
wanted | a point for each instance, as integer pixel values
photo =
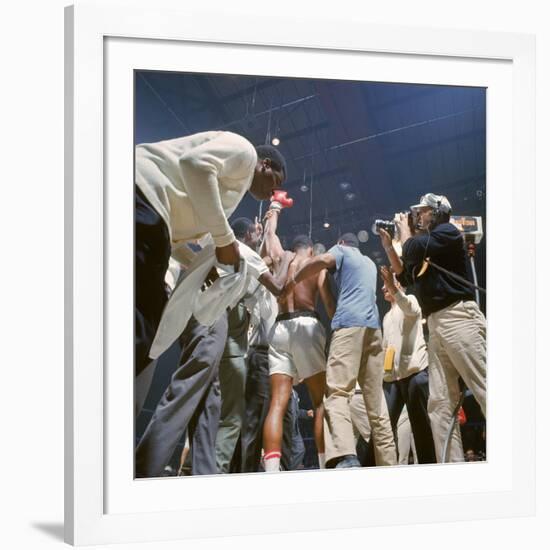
(434, 289)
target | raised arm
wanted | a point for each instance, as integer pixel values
(325, 291)
(408, 304)
(272, 244)
(275, 283)
(391, 253)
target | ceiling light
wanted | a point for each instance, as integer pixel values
(345, 185)
(349, 196)
(304, 188)
(363, 236)
(326, 224)
(275, 141)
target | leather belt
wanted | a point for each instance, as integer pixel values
(294, 314)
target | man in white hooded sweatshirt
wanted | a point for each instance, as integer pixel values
(186, 188)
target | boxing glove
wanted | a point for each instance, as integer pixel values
(280, 200)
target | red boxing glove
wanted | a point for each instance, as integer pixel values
(280, 200)
(462, 417)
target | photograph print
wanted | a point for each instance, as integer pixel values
(309, 276)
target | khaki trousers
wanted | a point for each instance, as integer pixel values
(356, 355)
(359, 418)
(456, 348)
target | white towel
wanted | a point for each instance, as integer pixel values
(187, 298)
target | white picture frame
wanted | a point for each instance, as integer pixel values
(103, 503)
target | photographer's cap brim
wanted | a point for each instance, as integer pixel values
(431, 200)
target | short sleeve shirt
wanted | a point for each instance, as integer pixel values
(355, 278)
(256, 266)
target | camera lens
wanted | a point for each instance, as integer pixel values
(384, 224)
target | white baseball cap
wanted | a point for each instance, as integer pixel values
(434, 201)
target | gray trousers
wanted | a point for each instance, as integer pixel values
(232, 384)
(192, 401)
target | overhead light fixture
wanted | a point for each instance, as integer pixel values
(363, 236)
(275, 141)
(345, 185)
(304, 188)
(349, 196)
(326, 223)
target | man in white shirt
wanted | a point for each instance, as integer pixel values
(186, 188)
(406, 365)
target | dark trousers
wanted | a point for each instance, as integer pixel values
(413, 392)
(191, 401)
(257, 393)
(152, 246)
(257, 398)
(293, 449)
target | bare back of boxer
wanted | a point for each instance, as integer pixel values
(305, 294)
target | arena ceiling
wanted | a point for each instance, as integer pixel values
(356, 151)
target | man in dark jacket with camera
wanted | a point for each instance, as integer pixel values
(434, 264)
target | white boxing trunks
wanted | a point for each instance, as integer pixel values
(297, 345)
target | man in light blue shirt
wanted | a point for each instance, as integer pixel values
(355, 278)
(356, 354)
